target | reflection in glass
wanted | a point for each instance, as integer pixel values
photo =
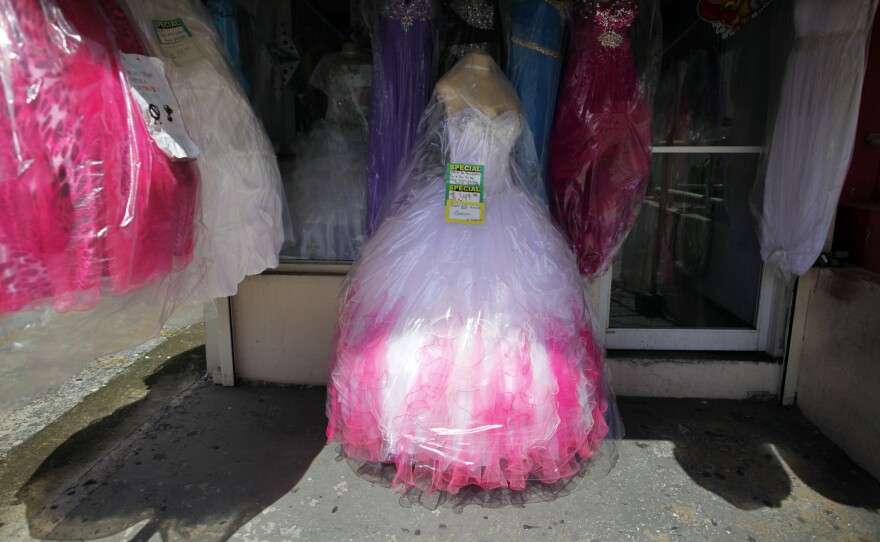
(692, 259)
(714, 90)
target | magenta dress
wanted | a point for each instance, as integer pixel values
(599, 152)
(88, 203)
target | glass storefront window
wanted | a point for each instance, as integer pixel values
(692, 260)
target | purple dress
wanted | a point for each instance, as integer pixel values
(403, 73)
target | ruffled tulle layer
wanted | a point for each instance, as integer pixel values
(492, 424)
(384, 474)
(466, 371)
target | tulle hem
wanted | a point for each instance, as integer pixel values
(385, 474)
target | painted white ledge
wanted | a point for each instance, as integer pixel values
(694, 378)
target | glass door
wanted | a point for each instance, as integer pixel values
(690, 276)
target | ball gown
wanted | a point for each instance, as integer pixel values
(464, 354)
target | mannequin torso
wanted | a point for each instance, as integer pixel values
(472, 83)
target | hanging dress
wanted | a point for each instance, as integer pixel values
(225, 15)
(534, 64)
(814, 132)
(403, 71)
(599, 152)
(88, 202)
(242, 204)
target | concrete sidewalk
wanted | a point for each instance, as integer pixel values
(162, 454)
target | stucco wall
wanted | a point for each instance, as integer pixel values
(838, 386)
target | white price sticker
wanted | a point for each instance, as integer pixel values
(158, 105)
(469, 213)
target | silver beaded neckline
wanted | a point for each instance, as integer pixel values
(407, 12)
(475, 13)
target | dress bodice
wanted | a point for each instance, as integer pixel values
(476, 138)
(602, 71)
(606, 20)
(347, 86)
(408, 13)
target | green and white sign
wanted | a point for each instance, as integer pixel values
(464, 193)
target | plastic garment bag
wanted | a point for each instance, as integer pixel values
(600, 145)
(534, 64)
(95, 220)
(326, 183)
(89, 204)
(812, 138)
(404, 67)
(244, 216)
(464, 360)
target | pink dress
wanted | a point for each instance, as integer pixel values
(464, 355)
(599, 151)
(88, 203)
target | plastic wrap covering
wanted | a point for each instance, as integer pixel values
(404, 60)
(534, 63)
(242, 199)
(470, 25)
(89, 204)
(464, 357)
(599, 153)
(225, 15)
(812, 138)
(326, 183)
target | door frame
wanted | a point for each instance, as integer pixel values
(769, 328)
(765, 337)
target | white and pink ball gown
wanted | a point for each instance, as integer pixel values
(464, 353)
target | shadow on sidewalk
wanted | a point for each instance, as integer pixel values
(217, 457)
(740, 450)
(200, 469)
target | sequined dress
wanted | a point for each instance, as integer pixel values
(469, 25)
(452, 360)
(403, 75)
(599, 151)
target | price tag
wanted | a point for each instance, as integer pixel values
(158, 105)
(177, 41)
(464, 193)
